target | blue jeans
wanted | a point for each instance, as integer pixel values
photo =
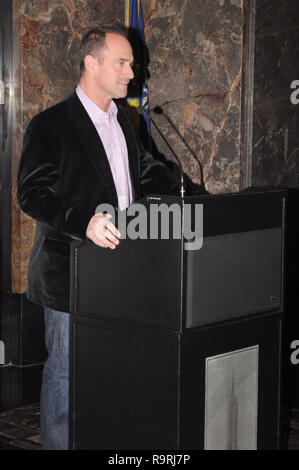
(55, 383)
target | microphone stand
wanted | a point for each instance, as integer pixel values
(159, 110)
(142, 111)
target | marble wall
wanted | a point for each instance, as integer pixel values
(195, 50)
(275, 150)
(46, 38)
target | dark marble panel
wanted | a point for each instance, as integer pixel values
(275, 146)
(19, 386)
(10, 327)
(33, 347)
(275, 156)
(195, 50)
(22, 330)
(31, 380)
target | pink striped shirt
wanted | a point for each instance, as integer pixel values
(114, 144)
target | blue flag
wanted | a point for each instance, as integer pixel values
(134, 23)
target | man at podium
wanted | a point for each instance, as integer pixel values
(78, 154)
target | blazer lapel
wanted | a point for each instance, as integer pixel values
(129, 133)
(92, 143)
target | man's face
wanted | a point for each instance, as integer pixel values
(113, 71)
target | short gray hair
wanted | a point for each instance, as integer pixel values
(93, 42)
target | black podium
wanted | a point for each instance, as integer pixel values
(175, 348)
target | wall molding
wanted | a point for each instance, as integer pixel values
(249, 14)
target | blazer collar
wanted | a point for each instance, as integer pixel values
(92, 143)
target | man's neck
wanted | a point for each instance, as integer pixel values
(102, 102)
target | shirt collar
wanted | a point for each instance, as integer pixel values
(95, 113)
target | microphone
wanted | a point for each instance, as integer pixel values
(159, 110)
(142, 110)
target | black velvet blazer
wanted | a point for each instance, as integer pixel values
(64, 175)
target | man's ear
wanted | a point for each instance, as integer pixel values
(89, 62)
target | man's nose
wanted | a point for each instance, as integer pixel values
(130, 71)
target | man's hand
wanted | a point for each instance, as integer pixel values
(102, 232)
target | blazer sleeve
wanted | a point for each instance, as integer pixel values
(38, 182)
(155, 176)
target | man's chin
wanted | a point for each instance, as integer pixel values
(122, 92)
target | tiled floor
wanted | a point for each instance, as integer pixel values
(19, 429)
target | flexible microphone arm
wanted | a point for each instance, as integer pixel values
(160, 110)
(141, 110)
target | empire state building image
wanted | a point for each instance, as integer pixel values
(232, 419)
